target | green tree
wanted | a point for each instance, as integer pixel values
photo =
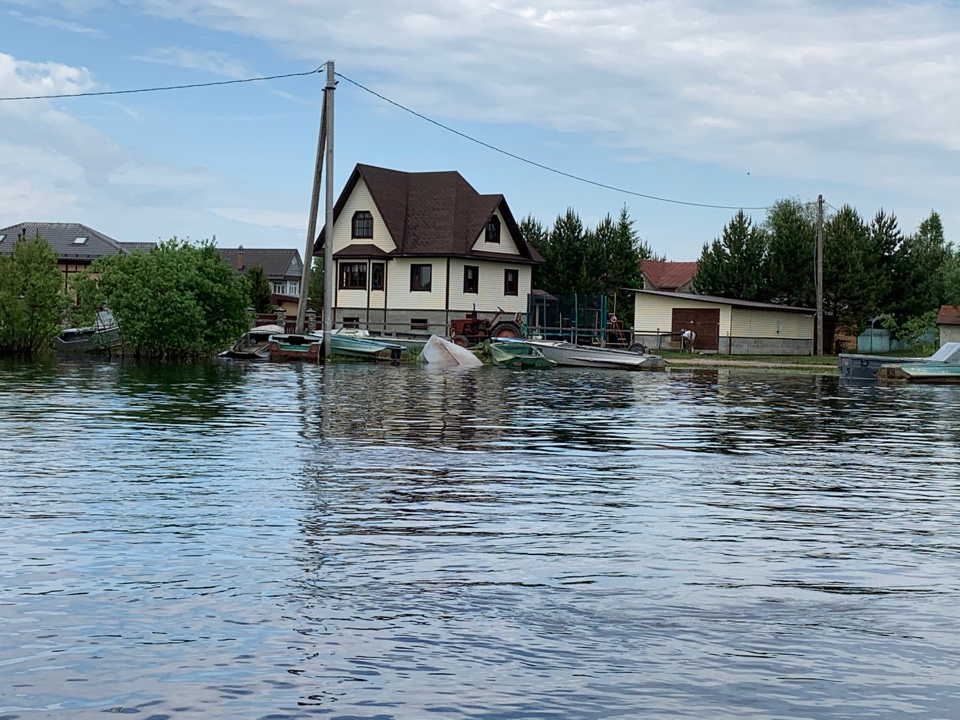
(538, 236)
(735, 265)
(921, 270)
(850, 294)
(259, 289)
(178, 301)
(315, 289)
(32, 301)
(791, 233)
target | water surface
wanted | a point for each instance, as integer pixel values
(275, 541)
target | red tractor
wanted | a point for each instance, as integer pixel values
(473, 330)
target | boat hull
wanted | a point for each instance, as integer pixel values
(295, 348)
(567, 354)
(865, 367)
(921, 372)
(519, 356)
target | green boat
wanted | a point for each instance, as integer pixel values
(518, 356)
(921, 372)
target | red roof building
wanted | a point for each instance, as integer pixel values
(667, 276)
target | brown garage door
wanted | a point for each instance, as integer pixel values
(705, 323)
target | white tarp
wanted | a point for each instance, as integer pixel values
(443, 353)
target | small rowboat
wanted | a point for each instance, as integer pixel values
(518, 356)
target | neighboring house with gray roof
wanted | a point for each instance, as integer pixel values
(283, 269)
(76, 245)
(414, 250)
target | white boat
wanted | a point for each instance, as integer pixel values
(443, 353)
(565, 353)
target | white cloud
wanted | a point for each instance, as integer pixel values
(765, 85)
(58, 24)
(208, 61)
(264, 217)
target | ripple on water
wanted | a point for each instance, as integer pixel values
(233, 540)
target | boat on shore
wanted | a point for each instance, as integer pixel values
(518, 356)
(567, 354)
(853, 366)
(921, 372)
(253, 344)
(365, 347)
(103, 335)
(291, 346)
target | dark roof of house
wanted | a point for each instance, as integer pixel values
(432, 213)
(141, 246)
(274, 262)
(64, 238)
(749, 304)
(360, 250)
(949, 315)
(667, 275)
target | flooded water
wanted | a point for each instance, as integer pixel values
(274, 541)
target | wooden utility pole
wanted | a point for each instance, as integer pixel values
(312, 222)
(328, 224)
(819, 276)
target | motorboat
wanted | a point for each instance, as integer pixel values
(568, 354)
(253, 344)
(519, 356)
(103, 335)
(854, 366)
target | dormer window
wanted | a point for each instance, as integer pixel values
(362, 224)
(2, 237)
(493, 230)
(80, 241)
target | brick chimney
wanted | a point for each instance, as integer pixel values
(240, 258)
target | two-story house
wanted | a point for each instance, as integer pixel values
(414, 250)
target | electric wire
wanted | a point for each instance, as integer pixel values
(101, 93)
(533, 163)
(547, 167)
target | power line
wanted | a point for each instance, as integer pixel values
(546, 167)
(161, 89)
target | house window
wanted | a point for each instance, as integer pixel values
(376, 276)
(420, 278)
(471, 276)
(363, 224)
(511, 281)
(493, 230)
(279, 287)
(419, 324)
(353, 276)
(351, 322)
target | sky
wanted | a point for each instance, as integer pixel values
(700, 101)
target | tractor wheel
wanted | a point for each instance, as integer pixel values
(460, 340)
(505, 329)
(638, 348)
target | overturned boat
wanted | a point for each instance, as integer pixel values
(443, 353)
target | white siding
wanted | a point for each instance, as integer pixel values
(655, 312)
(490, 286)
(757, 323)
(360, 199)
(507, 244)
(398, 284)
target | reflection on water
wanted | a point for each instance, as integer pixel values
(274, 541)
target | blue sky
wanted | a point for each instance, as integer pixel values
(699, 100)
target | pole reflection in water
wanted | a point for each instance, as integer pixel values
(386, 542)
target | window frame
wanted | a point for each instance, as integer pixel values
(416, 272)
(362, 231)
(492, 230)
(374, 267)
(356, 271)
(506, 282)
(475, 288)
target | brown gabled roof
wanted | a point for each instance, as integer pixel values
(274, 262)
(949, 315)
(667, 275)
(431, 213)
(361, 251)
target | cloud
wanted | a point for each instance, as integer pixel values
(765, 85)
(57, 24)
(208, 61)
(264, 217)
